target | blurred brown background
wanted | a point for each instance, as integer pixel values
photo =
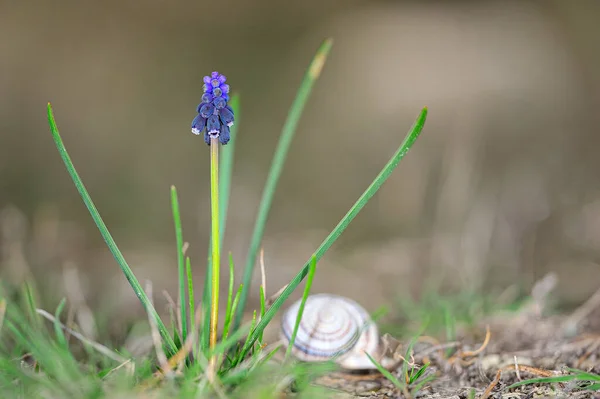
(502, 187)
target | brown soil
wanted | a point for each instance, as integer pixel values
(520, 346)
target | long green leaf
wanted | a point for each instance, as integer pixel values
(309, 280)
(110, 242)
(285, 140)
(386, 373)
(410, 139)
(560, 378)
(60, 335)
(226, 166)
(183, 283)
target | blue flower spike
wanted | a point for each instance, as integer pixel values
(215, 117)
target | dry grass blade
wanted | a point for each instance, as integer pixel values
(485, 343)
(99, 347)
(461, 357)
(517, 369)
(533, 370)
(186, 349)
(488, 391)
(571, 324)
(74, 291)
(276, 295)
(2, 312)
(175, 309)
(262, 270)
(129, 366)
(160, 354)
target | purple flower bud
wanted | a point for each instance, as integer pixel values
(213, 126)
(206, 80)
(217, 92)
(207, 97)
(198, 124)
(207, 110)
(219, 102)
(227, 116)
(224, 136)
(224, 88)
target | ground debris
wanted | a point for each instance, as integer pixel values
(494, 354)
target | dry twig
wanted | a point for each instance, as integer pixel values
(99, 347)
(488, 391)
(461, 357)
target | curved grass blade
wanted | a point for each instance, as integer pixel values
(309, 280)
(410, 139)
(386, 373)
(110, 242)
(541, 380)
(60, 335)
(577, 376)
(285, 140)
(180, 264)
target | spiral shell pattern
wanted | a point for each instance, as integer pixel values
(332, 326)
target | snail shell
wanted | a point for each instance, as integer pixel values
(334, 327)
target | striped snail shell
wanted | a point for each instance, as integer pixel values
(334, 326)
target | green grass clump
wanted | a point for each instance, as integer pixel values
(188, 361)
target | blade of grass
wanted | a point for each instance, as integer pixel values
(450, 325)
(229, 308)
(309, 280)
(60, 335)
(386, 373)
(414, 376)
(110, 242)
(206, 293)
(29, 295)
(230, 289)
(247, 344)
(226, 167)
(233, 308)
(94, 345)
(2, 312)
(262, 309)
(560, 378)
(407, 356)
(287, 134)
(412, 135)
(585, 375)
(417, 387)
(191, 299)
(190, 281)
(180, 263)
(226, 171)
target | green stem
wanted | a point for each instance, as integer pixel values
(214, 200)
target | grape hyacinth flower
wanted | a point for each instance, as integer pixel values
(215, 117)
